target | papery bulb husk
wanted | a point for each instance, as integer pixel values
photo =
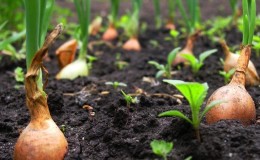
(41, 139)
(95, 26)
(74, 70)
(132, 45)
(170, 25)
(110, 34)
(230, 62)
(66, 53)
(238, 103)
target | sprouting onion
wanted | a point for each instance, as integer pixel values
(240, 106)
(41, 139)
(132, 26)
(111, 32)
(79, 67)
(191, 16)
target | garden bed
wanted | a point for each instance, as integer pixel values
(117, 132)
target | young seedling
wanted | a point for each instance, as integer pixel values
(41, 139)
(111, 33)
(227, 75)
(256, 45)
(129, 99)
(195, 93)
(192, 19)
(120, 64)
(90, 60)
(240, 105)
(79, 67)
(217, 27)
(165, 70)
(195, 63)
(161, 148)
(131, 27)
(116, 84)
(19, 74)
(19, 77)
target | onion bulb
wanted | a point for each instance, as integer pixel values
(188, 49)
(132, 45)
(41, 139)
(110, 34)
(238, 103)
(170, 25)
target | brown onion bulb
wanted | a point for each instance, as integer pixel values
(188, 49)
(110, 34)
(41, 139)
(238, 103)
(132, 45)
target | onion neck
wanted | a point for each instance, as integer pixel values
(239, 77)
(225, 48)
(189, 44)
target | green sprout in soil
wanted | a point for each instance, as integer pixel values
(90, 60)
(116, 84)
(129, 99)
(161, 148)
(19, 77)
(165, 70)
(79, 67)
(217, 27)
(195, 63)
(120, 64)
(195, 93)
(19, 74)
(227, 75)
(256, 44)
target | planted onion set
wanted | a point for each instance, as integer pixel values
(133, 79)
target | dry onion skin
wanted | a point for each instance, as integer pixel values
(66, 53)
(230, 62)
(238, 103)
(41, 139)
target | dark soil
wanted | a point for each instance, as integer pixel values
(117, 132)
